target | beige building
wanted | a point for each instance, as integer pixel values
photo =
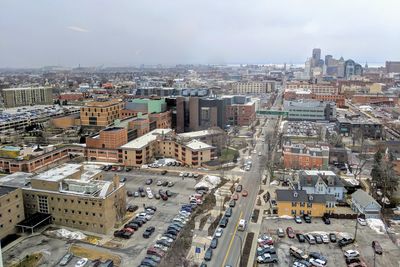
(164, 142)
(315, 88)
(16, 97)
(253, 87)
(98, 113)
(11, 210)
(74, 195)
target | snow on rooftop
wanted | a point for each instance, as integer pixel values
(197, 145)
(142, 141)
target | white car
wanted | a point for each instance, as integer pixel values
(150, 195)
(184, 213)
(145, 215)
(298, 264)
(82, 262)
(262, 247)
(218, 232)
(181, 174)
(159, 183)
(169, 240)
(362, 221)
(178, 220)
(351, 253)
(148, 190)
(325, 238)
(317, 262)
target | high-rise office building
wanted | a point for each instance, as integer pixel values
(316, 57)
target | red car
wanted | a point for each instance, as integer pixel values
(377, 247)
(156, 252)
(290, 232)
(358, 264)
(245, 193)
(235, 196)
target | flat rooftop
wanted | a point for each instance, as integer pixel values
(198, 145)
(198, 134)
(316, 172)
(16, 179)
(4, 190)
(142, 141)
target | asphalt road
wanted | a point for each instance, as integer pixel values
(231, 242)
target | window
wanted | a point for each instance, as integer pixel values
(293, 212)
(43, 204)
(302, 204)
(294, 204)
(309, 205)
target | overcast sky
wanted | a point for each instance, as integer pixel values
(36, 33)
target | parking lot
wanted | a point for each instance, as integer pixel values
(135, 247)
(334, 254)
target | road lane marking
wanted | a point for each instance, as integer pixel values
(232, 238)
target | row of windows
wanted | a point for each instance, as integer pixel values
(10, 221)
(302, 204)
(294, 212)
(9, 210)
(78, 222)
(66, 200)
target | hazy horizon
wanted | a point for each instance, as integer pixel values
(130, 33)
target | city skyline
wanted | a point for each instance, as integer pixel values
(131, 33)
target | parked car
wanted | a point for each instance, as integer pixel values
(239, 188)
(136, 194)
(224, 222)
(266, 249)
(228, 212)
(132, 208)
(153, 258)
(66, 259)
(82, 262)
(149, 181)
(298, 253)
(361, 221)
(377, 247)
(317, 262)
(345, 241)
(267, 258)
(352, 260)
(332, 237)
(235, 196)
(310, 239)
(214, 243)
(122, 179)
(208, 254)
(280, 232)
(326, 220)
(297, 219)
(290, 232)
(317, 255)
(307, 218)
(142, 194)
(149, 231)
(301, 238)
(351, 253)
(325, 238)
(358, 264)
(159, 183)
(318, 239)
(245, 193)
(170, 184)
(168, 193)
(165, 183)
(232, 203)
(218, 232)
(164, 172)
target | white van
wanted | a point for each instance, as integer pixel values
(242, 225)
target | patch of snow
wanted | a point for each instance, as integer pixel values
(286, 217)
(64, 233)
(208, 181)
(377, 225)
(275, 182)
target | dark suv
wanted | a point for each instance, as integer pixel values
(307, 218)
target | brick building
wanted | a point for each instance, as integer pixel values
(300, 156)
(101, 114)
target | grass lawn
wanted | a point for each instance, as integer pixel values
(228, 154)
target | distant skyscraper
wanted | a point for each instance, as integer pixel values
(352, 68)
(328, 60)
(316, 57)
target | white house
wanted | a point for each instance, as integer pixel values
(363, 203)
(321, 182)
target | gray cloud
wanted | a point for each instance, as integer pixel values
(129, 32)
